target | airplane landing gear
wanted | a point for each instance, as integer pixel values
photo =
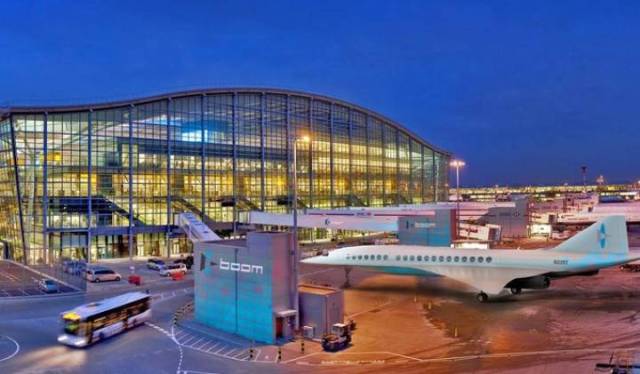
(515, 290)
(482, 297)
(347, 270)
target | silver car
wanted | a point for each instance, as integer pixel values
(48, 286)
(102, 275)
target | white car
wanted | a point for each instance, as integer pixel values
(171, 269)
(102, 274)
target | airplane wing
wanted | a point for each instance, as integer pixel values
(490, 280)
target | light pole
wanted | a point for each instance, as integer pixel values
(457, 164)
(294, 236)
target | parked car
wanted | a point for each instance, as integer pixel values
(630, 267)
(170, 269)
(154, 264)
(74, 267)
(188, 261)
(102, 275)
(48, 286)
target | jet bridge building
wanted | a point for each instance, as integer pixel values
(107, 180)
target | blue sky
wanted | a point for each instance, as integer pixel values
(524, 92)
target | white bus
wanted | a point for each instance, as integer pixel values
(99, 320)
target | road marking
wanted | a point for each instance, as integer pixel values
(187, 340)
(14, 352)
(213, 347)
(198, 341)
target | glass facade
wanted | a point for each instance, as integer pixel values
(80, 182)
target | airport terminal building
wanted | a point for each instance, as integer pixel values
(106, 180)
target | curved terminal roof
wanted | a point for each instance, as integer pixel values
(213, 91)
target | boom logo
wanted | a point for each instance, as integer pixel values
(241, 268)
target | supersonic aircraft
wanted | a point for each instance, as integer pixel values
(490, 272)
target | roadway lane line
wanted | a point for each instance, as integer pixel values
(14, 353)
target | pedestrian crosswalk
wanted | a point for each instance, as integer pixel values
(217, 347)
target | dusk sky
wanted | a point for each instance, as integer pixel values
(524, 92)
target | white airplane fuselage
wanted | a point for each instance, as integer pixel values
(602, 245)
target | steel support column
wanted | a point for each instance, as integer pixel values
(311, 139)
(350, 182)
(169, 203)
(130, 182)
(202, 160)
(368, 161)
(45, 192)
(234, 133)
(89, 183)
(397, 166)
(18, 191)
(263, 174)
(332, 178)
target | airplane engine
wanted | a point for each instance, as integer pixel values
(535, 283)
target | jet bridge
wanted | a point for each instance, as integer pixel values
(195, 229)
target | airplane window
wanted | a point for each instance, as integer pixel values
(379, 257)
(456, 259)
(348, 258)
(359, 257)
(404, 258)
(398, 258)
(441, 258)
(419, 258)
(480, 259)
(464, 258)
(412, 258)
(488, 260)
(433, 258)
(448, 258)
(366, 257)
(472, 259)
(386, 257)
(426, 258)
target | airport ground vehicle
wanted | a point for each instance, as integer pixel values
(90, 323)
(155, 264)
(48, 286)
(338, 339)
(100, 274)
(170, 269)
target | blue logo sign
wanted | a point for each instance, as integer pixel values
(602, 236)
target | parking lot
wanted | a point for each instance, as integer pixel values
(16, 280)
(124, 268)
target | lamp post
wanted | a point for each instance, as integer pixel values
(457, 164)
(294, 236)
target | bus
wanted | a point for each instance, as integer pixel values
(90, 323)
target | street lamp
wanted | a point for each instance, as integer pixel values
(294, 236)
(457, 164)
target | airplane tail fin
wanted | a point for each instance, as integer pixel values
(607, 235)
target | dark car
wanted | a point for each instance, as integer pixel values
(155, 264)
(188, 261)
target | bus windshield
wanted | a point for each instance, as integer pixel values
(71, 326)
